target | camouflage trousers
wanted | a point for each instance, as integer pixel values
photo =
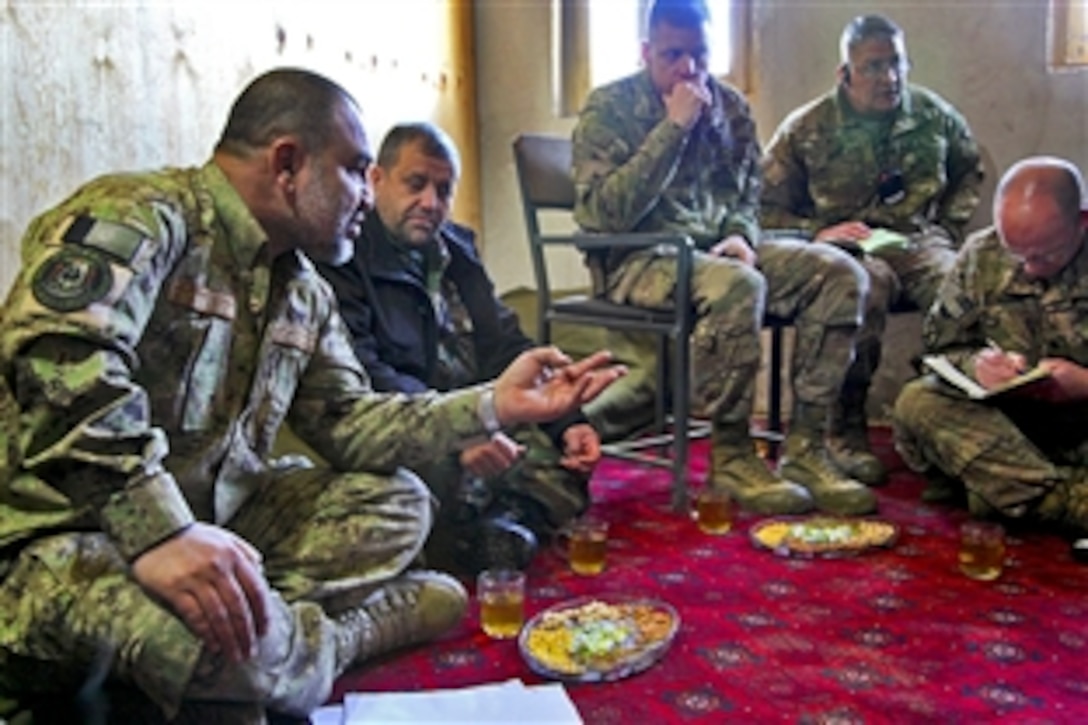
(896, 277)
(537, 476)
(820, 288)
(1009, 456)
(70, 610)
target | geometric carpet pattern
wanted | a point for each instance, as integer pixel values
(892, 636)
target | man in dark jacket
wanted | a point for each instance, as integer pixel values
(424, 315)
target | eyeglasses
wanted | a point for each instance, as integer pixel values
(879, 68)
(1036, 258)
(1056, 254)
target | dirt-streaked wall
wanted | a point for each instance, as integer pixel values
(92, 87)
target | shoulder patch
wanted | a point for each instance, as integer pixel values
(115, 239)
(72, 278)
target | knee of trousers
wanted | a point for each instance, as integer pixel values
(918, 405)
(292, 671)
(412, 496)
(883, 286)
(844, 291)
(729, 292)
(71, 604)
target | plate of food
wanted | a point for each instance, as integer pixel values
(822, 536)
(598, 639)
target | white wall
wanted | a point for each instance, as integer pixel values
(92, 86)
(514, 77)
(988, 58)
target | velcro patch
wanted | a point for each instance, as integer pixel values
(72, 278)
(117, 240)
(185, 292)
(290, 334)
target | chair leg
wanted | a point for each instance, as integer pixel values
(774, 376)
(681, 407)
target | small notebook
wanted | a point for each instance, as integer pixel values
(883, 239)
(954, 376)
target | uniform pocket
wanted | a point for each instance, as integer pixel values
(195, 389)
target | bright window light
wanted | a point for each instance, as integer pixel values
(615, 34)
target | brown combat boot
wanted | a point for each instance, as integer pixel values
(1067, 503)
(738, 470)
(411, 609)
(806, 461)
(848, 441)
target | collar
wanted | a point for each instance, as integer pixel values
(384, 256)
(244, 234)
(648, 104)
(902, 120)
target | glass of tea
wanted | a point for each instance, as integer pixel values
(501, 594)
(712, 509)
(584, 544)
(982, 549)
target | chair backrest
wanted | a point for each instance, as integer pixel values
(544, 166)
(544, 176)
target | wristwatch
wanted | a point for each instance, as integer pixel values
(485, 410)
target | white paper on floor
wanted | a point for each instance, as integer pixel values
(497, 702)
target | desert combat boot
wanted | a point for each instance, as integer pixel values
(1067, 503)
(411, 609)
(737, 469)
(806, 461)
(848, 441)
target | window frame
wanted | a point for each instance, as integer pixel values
(572, 35)
(1068, 35)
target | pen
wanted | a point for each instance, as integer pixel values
(1020, 369)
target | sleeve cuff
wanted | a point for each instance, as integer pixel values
(146, 512)
(750, 232)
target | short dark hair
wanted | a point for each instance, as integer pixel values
(436, 144)
(284, 101)
(678, 13)
(861, 29)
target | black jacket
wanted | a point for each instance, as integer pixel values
(395, 333)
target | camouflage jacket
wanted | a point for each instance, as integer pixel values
(635, 170)
(151, 354)
(824, 163)
(429, 323)
(986, 297)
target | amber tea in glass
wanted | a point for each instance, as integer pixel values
(586, 545)
(713, 511)
(982, 550)
(501, 593)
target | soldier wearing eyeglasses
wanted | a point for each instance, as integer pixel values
(873, 154)
(671, 148)
(1016, 298)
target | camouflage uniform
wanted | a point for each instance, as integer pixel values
(635, 170)
(151, 354)
(823, 166)
(429, 318)
(1009, 455)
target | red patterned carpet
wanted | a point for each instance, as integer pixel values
(896, 636)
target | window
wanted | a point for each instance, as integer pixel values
(601, 40)
(616, 29)
(1069, 33)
